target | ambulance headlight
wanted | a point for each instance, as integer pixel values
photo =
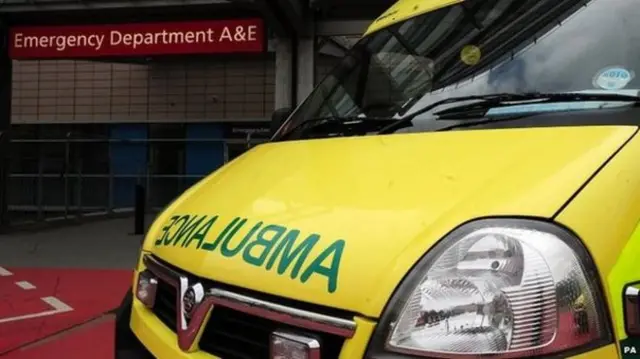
(146, 288)
(500, 289)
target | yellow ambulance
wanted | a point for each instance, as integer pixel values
(464, 184)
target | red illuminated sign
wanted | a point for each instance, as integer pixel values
(138, 39)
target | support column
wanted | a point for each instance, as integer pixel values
(6, 71)
(306, 69)
(284, 91)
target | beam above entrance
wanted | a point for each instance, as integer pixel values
(342, 27)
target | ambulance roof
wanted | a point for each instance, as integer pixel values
(406, 9)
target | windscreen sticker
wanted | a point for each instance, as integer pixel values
(264, 245)
(470, 55)
(613, 78)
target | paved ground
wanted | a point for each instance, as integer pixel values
(60, 284)
(101, 244)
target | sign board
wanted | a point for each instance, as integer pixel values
(138, 39)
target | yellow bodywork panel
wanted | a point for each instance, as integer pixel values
(340, 222)
(270, 220)
(405, 9)
(605, 215)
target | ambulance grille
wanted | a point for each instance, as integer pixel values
(165, 304)
(231, 334)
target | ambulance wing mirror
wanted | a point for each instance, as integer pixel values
(632, 309)
(278, 118)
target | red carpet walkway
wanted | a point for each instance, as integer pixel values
(39, 303)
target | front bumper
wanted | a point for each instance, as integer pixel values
(127, 346)
(166, 339)
(161, 341)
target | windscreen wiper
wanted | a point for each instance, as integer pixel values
(487, 102)
(330, 120)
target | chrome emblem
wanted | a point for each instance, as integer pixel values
(191, 299)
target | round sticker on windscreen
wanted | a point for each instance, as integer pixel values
(470, 55)
(613, 78)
